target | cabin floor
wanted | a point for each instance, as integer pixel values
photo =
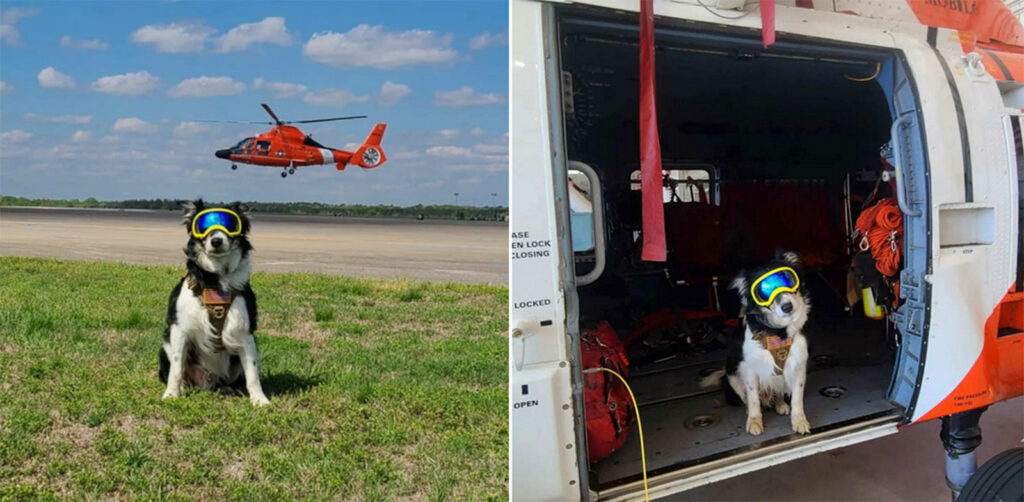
(851, 362)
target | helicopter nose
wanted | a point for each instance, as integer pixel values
(223, 154)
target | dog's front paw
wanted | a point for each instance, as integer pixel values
(754, 426)
(171, 393)
(259, 401)
(800, 424)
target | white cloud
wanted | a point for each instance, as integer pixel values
(185, 129)
(270, 30)
(8, 23)
(476, 131)
(127, 84)
(334, 97)
(280, 90)
(175, 37)
(15, 136)
(448, 151)
(59, 119)
(81, 136)
(133, 124)
(374, 47)
(448, 133)
(110, 139)
(391, 93)
(6, 88)
(499, 149)
(50, 78)
(204, 87)
(466, 96)
(488, 39)
(95, 44)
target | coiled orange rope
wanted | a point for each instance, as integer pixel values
(881, 230)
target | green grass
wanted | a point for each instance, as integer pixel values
(380, 390)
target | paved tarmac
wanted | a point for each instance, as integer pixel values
(455, 251)
(906, 466)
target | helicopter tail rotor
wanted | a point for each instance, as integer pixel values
(370, 154)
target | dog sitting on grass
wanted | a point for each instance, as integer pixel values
(211, 314)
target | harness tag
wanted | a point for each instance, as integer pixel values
(213, 297)
(779, 349)
(217, 305)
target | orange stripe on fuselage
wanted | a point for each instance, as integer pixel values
(989, 20)
(1006, 66)
(998, 373)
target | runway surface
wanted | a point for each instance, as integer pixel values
(907, 466)
(455, 251)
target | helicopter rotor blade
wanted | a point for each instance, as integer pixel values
(271, 112)
(326, 120)
(231, 122)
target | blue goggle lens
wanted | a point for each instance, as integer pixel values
(780, 279)
(214, 218)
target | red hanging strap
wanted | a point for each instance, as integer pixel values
(768, 22)
(650, 146)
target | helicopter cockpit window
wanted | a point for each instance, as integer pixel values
(243, 146)
(310, 142)
(263, 145)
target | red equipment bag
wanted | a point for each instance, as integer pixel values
(609, 410)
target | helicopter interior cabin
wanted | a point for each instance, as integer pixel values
(762, 150)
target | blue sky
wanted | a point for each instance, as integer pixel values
(100, 99)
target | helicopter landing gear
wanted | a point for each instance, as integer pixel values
(291, 170)
(284, 174)
(234, 166)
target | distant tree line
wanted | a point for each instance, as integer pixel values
(419, 211)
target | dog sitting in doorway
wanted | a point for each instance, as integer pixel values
(767, 354)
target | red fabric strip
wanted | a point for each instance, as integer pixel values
(767, 22)
(652, 206)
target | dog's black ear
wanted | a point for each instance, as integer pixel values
(241, 208)
(789, 257)
(244, 212)
(191, 207)
(739, 284)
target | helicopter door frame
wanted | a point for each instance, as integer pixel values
(545, 394)
(958, 271)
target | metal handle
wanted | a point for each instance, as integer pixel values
(597, 220)
(897, 153)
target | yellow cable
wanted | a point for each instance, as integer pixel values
(639, 428)
(878, 69)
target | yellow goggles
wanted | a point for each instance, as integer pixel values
(771, 284)
(217, 218)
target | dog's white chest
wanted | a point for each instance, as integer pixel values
(759, 362)
(194, 321)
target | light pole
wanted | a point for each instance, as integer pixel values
(494, 204)
(456, 205)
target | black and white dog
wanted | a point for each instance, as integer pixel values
(767, 355)
(211, 314)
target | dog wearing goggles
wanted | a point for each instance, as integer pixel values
(767, 356)
(211, 314)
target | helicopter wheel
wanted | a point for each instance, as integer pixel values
(284, 175)
(291, 170)
(234, 166)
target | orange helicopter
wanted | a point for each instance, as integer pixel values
(287, 147)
